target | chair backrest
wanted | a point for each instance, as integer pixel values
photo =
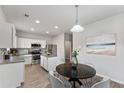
(90, 64)
(105, 83)
(67, 84)
(55, 82)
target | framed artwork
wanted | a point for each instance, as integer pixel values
(103, 44)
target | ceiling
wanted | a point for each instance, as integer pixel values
(62, 16)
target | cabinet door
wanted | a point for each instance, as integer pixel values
(28, 59)
(41, 61)
(14, 37)
(11, 75)
(45, 63)
(43, 43)
(24, 43)
(5, 35)
(52, 63)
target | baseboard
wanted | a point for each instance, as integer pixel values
(27, 65)
(118, 81)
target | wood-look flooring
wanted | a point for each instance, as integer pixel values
(37, 77)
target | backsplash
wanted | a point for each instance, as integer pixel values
(20, 51)
(2, 50)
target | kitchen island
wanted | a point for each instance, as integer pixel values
(49, 62)
(11, 72)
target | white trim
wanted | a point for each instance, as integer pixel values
(118, 81)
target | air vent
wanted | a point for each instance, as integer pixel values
(26, 15)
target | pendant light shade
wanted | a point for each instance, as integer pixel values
(77, 27)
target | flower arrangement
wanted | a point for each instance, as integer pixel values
(75, 53)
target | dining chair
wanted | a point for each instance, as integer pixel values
(89, 79)
(90, 64)
(105, 83)
(56, 82)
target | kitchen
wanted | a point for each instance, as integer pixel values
(26, 49)
(13, 58)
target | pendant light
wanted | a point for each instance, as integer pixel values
(77, 27)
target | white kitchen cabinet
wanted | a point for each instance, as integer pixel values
(11, 75)
(50, 63)
(26, 42)
(43, 43)
(28, 59)
(14, 37)
(45, 63)
(41, 61)
(7, 36)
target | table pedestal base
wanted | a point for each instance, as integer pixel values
(74, 80)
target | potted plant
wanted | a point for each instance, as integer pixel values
(6, 55)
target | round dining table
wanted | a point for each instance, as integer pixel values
(81, 71)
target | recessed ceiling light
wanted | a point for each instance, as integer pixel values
(56, 27)
(32, 29)
(37, 21)
(47, 32)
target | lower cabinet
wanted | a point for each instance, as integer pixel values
(28, 59)
(11, 75)
(50, 63)
(45, 63)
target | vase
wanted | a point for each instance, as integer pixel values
(74, 62)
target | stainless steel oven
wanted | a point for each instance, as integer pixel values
(36, 52)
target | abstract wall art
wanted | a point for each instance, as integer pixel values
(102, 44)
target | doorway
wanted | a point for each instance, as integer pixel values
(68, 47)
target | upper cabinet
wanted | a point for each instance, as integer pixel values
(26, 42)
(14, 37)
(23, 43)
(7, 35)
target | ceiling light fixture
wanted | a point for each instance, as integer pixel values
(77, 27)
(32, 29)
(47, 32)
(56, 27)
(37, 21)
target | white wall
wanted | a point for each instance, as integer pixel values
(112, 66)
(59, 40)
(2, 16)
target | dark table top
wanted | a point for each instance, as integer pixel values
(82, 72)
